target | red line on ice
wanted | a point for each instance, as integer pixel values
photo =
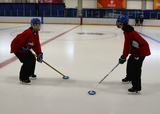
(8, 61)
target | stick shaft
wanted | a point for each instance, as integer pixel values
(53, 68)
(50, 66)
(105, 77)
(108, 73)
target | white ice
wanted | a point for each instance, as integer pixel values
(86, 57)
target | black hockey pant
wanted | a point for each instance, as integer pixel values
(28, 67)
(134, 71)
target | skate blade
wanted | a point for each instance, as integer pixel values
(128, 82)
(134, 93)
(33, 78)
(25, 83)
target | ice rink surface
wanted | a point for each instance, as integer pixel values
(86, 54)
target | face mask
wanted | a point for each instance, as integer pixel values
(118, 24)
(36, 28)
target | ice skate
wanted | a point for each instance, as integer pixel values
(33, 77)
(132, 91)
(125, 81)
(26, 82)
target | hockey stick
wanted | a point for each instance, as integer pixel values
(64, 77)
(93, 92)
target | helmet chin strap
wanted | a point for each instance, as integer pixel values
(120, 26)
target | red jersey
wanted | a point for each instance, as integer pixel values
(135, 45)
(26, 38)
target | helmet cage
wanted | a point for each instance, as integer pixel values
(118, 23)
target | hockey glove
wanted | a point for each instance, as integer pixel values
(40, 58)
(26, 48)
(122, 59)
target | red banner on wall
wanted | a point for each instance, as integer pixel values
(111, 3)
(49, 1)
(156, 4)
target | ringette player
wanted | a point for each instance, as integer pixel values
(138, 48)
(21, 45)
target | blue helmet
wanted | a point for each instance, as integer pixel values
(123, 19)
(35, 21)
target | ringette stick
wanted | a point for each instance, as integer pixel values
(91, 92)
(50, 66)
